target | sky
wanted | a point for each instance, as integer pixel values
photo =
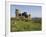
(35, 11)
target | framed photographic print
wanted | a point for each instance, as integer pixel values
(24, 19)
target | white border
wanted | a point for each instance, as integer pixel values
(21, 34)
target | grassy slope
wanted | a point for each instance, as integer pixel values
(24, 26)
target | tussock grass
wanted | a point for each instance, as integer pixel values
(19, 25)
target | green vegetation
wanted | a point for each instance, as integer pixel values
(25, 25)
